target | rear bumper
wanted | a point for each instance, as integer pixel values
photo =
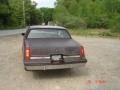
(44, 63)
(48, 67)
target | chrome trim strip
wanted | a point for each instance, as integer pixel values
(48, 67)
(49, 57)
(71, 56)
(40, 58)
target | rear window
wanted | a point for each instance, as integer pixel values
(48, 33)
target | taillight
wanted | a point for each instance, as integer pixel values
(27, 54)
(82, 53)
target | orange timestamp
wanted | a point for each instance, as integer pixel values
(89, 82)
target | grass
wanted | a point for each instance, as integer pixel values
(95, 32)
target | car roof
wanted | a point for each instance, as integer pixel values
(47, 26)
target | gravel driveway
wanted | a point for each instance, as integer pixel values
(102, 72)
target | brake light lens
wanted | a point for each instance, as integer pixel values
(82, 52)
(27, 54)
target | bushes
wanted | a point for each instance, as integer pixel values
(88, 13)
(72, 22)
(96, 22)
(114, 24)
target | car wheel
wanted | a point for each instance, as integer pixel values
(26, 69)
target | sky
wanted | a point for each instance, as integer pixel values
(45, 3)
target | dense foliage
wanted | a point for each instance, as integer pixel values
(68, 13)
(20, 13)
(4, 12)
(88, 13)
(11, 13)
(47, 14)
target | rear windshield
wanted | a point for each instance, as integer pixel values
(48, 33)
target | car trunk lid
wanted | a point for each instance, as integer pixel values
(46, 47)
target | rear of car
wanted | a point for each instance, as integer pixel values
(51, 48)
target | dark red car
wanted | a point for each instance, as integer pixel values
(51, 47)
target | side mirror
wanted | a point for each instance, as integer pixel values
(23, 34)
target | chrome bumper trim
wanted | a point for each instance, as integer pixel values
(48, 67)
(49, 57)
(39, 57)
(71, 56)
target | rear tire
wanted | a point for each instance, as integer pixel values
(26, 69)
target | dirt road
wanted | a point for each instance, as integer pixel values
(102, 72)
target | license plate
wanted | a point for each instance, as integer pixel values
(56, 57)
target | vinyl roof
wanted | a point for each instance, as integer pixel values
(47, 26)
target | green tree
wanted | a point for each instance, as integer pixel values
(24, 9)
(16, 12)
(4, 13)
(36, 17)
(89, 13)
(47, 14)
